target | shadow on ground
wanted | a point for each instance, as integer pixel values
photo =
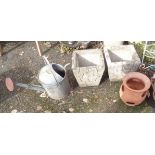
(7, 49)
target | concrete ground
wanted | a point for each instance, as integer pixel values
(21, 62)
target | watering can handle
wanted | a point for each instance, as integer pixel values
(66, 65)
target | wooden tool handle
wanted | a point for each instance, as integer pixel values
(39, 48)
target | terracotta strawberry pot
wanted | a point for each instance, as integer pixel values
(134, 88)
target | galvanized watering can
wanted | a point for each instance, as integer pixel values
(53, 79)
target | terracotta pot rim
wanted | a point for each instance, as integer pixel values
(131, 75)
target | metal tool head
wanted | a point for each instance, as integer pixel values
(9, 84)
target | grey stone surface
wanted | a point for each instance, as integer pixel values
(121, 59)
(88, 66)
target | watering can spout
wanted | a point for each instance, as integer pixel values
(10, 85)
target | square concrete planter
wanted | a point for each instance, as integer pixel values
(121, 60)
(112, 43)
(88, 66)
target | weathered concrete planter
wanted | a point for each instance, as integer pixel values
(88, 67)
(112, 43)
(121, 60)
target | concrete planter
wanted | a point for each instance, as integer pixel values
(112, 43)
(88, 67)
(121, 60)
